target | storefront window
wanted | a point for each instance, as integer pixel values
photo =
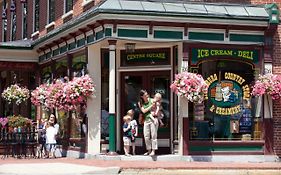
(46, 75)
(229, 111)
(61, 69)
(78, 117)
(79, 65)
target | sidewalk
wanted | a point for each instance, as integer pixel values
(132, 166)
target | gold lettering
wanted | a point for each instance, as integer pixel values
(203, 53)
(234, 77)
(246, 54)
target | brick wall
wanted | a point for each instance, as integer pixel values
(19, 20)
(30, 18)
(43, 17)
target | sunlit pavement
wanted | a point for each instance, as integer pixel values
(134, 165)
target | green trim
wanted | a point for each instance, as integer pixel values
(149, 15)
(135, 33)
(168, 34)
(48, 55)
(81, 42)
(90, 38)
(16, 47)
(206, 36)
(225, 148)
(99, 35)
(56, 52)
(246, 37)
(63, 49)
(108, 32)
(112, 142)
(71, 45)
(42, 58)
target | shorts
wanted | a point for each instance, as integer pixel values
(127, 141)
(50, 147)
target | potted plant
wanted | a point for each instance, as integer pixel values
(18, 122)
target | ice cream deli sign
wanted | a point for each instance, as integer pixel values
(226, 92)
(200, 54)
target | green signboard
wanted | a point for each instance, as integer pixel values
(146, 57)
(203, 54)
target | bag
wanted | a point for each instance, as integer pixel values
(141, 118)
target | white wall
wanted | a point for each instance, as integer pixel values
(94, 103)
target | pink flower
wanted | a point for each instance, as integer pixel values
(191, 86)
(268, 84)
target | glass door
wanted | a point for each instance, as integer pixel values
(153, 82)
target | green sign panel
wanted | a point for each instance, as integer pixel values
(145, 57)
(200, 54)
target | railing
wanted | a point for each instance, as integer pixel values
(19, 143)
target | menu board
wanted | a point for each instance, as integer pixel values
(245, 122)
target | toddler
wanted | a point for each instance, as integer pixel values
(127, 134)
(134, 129)
(156, 111)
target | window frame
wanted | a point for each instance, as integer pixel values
(66, 10)
(36, 27)
(51, 12)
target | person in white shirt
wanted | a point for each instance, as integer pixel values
(134, 129)
(51, 142)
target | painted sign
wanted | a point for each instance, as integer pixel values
(200, 54)
(145, 57)
(226, 93)
(17, 66)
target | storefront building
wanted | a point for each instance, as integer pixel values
(126, 46)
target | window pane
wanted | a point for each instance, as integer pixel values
(51, 11)
(68, 5)
(14, 25)
(36, 15)
(229, 113)
(24, 20)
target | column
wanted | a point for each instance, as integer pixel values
(112, 94)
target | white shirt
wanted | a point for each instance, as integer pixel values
(51, 133)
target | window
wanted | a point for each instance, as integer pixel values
(229, 113)
(68, 5)
(24, 20)
(36, 15)
(51, 11)
(14, 25)
(4, 23)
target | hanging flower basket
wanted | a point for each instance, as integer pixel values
(15, 93)
(39, 95)
(191, 86)
(64, 96)
(268, 84)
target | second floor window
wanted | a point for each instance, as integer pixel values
(24, 20)
(51, 11)
(14, 26)
(36, 15)
(68, 5)
(4, 21)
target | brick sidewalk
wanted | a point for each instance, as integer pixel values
(133, 164)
